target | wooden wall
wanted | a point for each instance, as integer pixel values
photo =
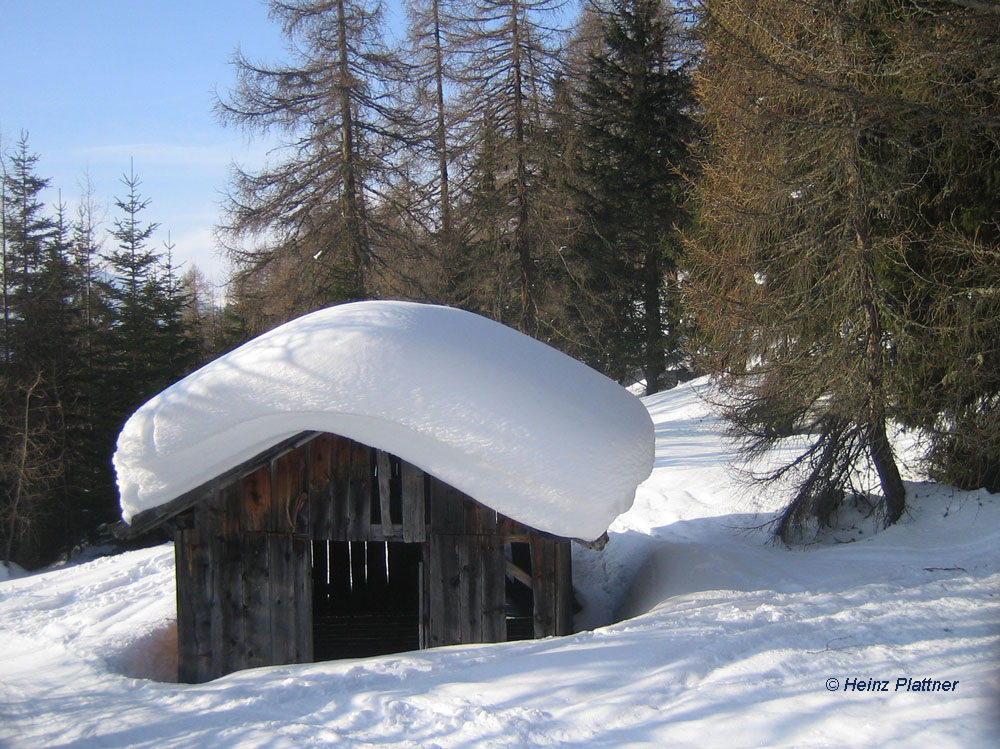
(245, 554)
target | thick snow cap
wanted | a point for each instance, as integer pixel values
(510, 421)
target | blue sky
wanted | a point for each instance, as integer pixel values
(96, 83)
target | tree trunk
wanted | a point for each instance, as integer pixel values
(653, 366)
(879, 447)
(441, 135)
(522, 247)
(353, 214)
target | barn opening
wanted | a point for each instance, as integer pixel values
(366, 598)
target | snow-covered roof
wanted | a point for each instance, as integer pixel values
(520, 426)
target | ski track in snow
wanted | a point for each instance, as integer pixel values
(726, 640)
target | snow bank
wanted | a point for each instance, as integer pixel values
(506, 419)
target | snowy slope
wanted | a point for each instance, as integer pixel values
(732, 642)
(518, 425)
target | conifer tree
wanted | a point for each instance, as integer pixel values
(828, 249)
(506, 78)
(636, 122)
(133, 265)
(335, 111)
(146, 342)
(436, 261)
(35, 377)
(27, 231)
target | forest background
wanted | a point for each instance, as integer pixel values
(799, 198)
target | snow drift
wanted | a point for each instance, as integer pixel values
(523, 428)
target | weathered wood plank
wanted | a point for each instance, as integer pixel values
(469, 602)
(494, 620)
(302, 592)
(257, 499)
(454, 607)
(208, 617)
(423, 592)
(437, 593)
(359, 492)
(513, 530)
(340, 490)
(564, 587)
(479, 519)
(320, 489)
(281, 599)
(255, 597)
(543, 584)
(289, 510)
(230, 504)
(447, 508)
(388, 530)
(413, 499)
(233, 654)
(185, 554)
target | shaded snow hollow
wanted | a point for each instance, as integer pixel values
(523, 428)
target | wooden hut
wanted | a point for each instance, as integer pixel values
(390, 524)
(322, 547)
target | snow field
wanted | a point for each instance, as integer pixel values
(727, 641)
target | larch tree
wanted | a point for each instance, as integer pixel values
(435, 55)
(793, 319)
(828, 139)
(505, 83)
(306, 220)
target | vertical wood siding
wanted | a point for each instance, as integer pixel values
(246, 552)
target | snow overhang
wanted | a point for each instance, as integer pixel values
(510, 421)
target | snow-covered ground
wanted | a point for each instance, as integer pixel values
(721, 640)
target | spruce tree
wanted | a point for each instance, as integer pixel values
(132, 264)
(27, 231)
(636, 109)
(146, 341)
(35, 381)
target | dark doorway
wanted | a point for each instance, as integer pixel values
(519, 595)
(366, 598)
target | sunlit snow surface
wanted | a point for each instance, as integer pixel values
(510, 421)
(732, 641)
